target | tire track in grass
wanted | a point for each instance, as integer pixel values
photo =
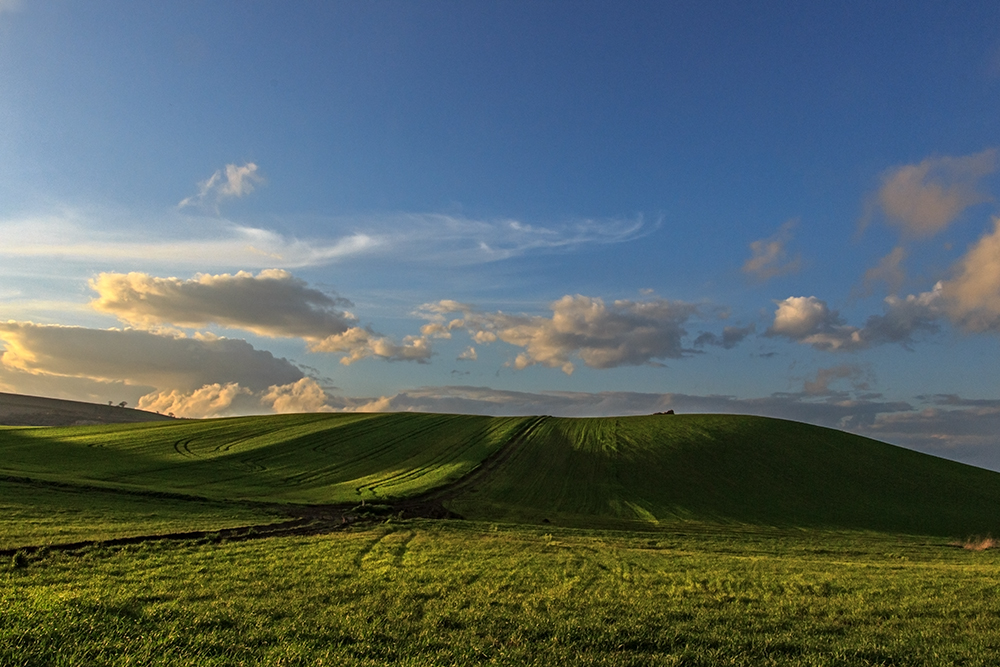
(452, 453)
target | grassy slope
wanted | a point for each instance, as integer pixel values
(285, 458)
(599, 472)
(607, 472)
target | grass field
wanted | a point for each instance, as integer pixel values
(36, 515)
(655, 470)
(458, 593)
(287, 458)
(680, 540)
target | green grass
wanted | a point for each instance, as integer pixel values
(681, 540)
(658, 470)
(426, 593)
(38, 515)
(283, 458)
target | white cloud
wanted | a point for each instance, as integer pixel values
(626, 333)
(924, 198)
(769, 257)
(358, 343)
(810, 321)
(164, 362)
(223, 400)
(469, 354)
(234, 181)
(272, 303)
(303, 396)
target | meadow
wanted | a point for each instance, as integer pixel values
(458, 593)
(681, 540)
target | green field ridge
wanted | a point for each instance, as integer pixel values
(630, 472)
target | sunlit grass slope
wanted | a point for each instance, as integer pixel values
(730, 468)
(311, 458)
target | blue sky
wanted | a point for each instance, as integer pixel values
(563, 208)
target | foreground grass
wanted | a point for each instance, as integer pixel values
(38, 514)
(420, 593)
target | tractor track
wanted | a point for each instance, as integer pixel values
(304, 520)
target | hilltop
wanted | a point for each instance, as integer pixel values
(21, 410)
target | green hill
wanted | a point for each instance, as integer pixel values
(659, 469)
(628, 472)
(307, 458)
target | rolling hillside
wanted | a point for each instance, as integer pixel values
(307, 458)
(630, 472)
(660, 469)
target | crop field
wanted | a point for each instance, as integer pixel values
(680, 540)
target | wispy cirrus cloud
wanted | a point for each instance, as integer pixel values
(232, 182)
(208, 243)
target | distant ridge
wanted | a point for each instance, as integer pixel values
(21, 410)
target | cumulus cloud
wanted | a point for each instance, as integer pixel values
(769, 257)
(233, 181)
(357, 343)
(468, 355)
(272, 303)
(972, 296)
(223, 400)
(810, 321)
(624, 333)
(924, 198)
(139, 357)
(303, 396)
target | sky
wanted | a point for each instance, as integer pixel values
(569, 208)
